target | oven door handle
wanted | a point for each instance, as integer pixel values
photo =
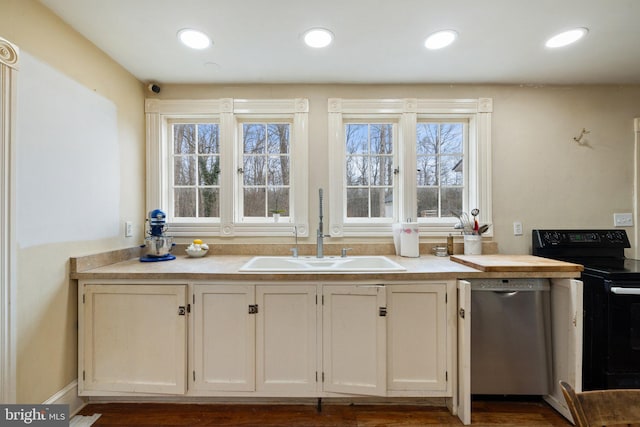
(625, 291)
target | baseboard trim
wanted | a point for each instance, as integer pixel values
(360, 400)
(68, 396)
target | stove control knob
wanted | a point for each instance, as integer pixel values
(549, 238)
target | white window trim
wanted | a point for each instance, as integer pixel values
(478, 158)
(226, 112)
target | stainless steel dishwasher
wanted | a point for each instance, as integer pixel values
(510, 336)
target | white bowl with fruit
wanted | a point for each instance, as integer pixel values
(197, 249)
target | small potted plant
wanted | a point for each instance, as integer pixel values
(276, 214)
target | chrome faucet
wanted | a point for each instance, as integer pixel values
(320, 234)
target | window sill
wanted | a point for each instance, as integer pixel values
(261, 229)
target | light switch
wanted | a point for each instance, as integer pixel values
(622, 220)
(517, 228)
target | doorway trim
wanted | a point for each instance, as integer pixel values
(8, 82)
(636, 188)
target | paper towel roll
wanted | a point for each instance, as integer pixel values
(409, 240)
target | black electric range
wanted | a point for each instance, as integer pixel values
(611, 302)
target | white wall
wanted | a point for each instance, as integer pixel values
(46, 299)
(68, 140)
(541, 176)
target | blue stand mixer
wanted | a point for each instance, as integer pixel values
(157, 246)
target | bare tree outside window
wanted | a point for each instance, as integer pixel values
(266, 169)
(440, 177)
(369, 170)
(196, 170)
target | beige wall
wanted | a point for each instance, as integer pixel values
(46, 300)
(541, 177)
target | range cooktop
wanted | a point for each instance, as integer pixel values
(601, 252)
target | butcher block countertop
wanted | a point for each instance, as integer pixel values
(123, 265)
(515, 263)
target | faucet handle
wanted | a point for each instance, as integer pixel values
(344, 252)
(294, 252)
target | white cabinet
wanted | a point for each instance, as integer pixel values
(223, 338)
(391, 340)
(462, 397)
(354, 339)
(417, 339)
(286, 338)
(254, 338)
(566, 323)
(295, 340)
(132, 339)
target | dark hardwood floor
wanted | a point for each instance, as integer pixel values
(484, 413)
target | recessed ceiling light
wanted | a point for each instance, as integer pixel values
(566, 38)
(318, 37)
(194, 39)
(440, 39)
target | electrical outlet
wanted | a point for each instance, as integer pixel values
(517, 228)
(622, 220)
(128, 229)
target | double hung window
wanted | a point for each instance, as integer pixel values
(266, 163)
(196, 170)
(369, 157)
(419, 159)
(440, 183)
(225, 167)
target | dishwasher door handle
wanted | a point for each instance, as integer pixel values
(625, 291)
(506, 293)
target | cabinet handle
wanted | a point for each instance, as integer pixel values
(461, 312)
(182, 310)
(253, 309)
(383, 311)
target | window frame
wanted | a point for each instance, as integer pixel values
(447, 118)
(239, 202)
(394, 120)
(229, 113)
(477, 112)
(171, 168)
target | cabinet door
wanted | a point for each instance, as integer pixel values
(134, 338)
(286, 338)
(223, 338)
(354, 339)
(417, 337)
(566, 324)
(464, 352)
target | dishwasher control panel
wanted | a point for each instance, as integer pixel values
(509, 285)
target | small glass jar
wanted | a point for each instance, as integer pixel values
(440, 251)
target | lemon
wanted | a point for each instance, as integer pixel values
(197, 242)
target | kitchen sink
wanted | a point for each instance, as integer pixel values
(327, 263)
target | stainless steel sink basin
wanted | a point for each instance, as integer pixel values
(310, 263)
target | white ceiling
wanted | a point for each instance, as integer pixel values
(376, 41)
